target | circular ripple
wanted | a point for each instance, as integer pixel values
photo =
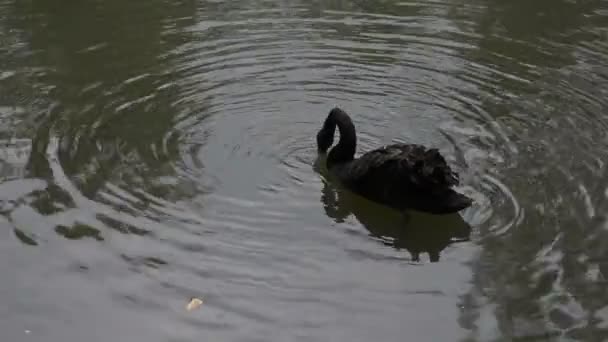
(258, 95)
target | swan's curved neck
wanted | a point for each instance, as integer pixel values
(344, 151)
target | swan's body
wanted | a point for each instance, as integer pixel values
(402, 176)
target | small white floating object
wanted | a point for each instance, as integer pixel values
(194, 303)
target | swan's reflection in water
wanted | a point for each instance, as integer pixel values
(414, 231)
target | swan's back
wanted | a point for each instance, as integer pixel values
(404, 176)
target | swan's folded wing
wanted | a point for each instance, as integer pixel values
(402, 164)
(371, 162)
(432, 169)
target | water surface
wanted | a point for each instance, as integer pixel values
(155, 151)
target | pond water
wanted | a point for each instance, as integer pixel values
(155, 151)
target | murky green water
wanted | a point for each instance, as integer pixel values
(154, 151)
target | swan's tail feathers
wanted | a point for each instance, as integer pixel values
(432, 168)
(455, 202)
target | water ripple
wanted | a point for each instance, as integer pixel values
(177, 159)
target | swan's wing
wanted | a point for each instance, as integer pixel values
(402, 164)
(430, 168)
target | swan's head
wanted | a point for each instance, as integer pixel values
(325, 138)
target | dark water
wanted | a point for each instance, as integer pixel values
(154, 151)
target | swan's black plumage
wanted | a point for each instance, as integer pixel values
(402, 176)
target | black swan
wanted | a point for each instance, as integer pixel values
(401, 176)
(416, 232)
